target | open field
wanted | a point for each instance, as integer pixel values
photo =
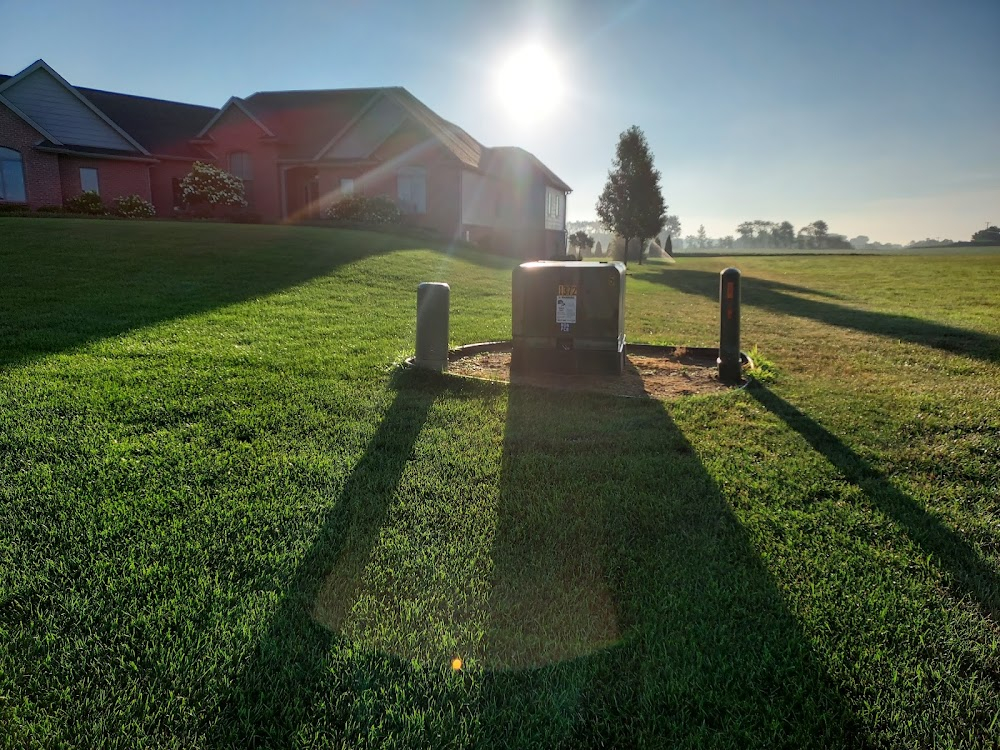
(948, 250)
(228, 520)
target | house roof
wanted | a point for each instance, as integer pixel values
(233, 101)
(163, 127)
(466, 149)
(510, 160)
(304, 121)
(93, 151)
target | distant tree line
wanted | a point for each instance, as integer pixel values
(771, 234)
(991, 234)
(756, 234)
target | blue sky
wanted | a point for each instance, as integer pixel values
(880, 117)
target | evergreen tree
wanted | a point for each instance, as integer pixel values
(631, 205)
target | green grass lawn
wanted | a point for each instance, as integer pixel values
(228, 519)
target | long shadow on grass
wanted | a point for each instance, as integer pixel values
(774, 296)
(969, 573)
(628, 606)
(290, 668)
(68, 283)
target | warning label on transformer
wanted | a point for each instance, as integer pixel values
(566, 309)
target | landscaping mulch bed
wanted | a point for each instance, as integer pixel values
(660, 377)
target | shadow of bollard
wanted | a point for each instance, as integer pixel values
(290, 664)
(968, 572)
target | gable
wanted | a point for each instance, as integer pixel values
(453, 139)
(361, 139)
(234, 115)
(411, 142)
(232, 119)
(307, 123)
(56, 109)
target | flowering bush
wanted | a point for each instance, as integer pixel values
(88, 202)
(358, 208)
(209, 191)
(133, 207)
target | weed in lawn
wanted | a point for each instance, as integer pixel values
(764, 370)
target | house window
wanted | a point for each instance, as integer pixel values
(552, 204)
(347, 186)
(88, 180)
(11, 176)
(241, 166)
(412, 185)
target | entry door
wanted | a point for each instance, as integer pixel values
(311, 197)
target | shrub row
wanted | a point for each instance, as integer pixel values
(89, 203)
(208, 192)
(377, 211)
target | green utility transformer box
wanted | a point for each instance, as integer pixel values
(568, 317)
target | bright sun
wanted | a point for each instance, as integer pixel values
(529, 83)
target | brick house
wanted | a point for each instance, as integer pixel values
(295, 151)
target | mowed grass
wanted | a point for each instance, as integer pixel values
(228, 519)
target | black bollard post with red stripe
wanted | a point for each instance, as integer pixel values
(730, 368)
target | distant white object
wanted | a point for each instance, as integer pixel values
(653, 250)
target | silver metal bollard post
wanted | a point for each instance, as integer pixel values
(433, 303)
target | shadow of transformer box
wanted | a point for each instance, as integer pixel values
(568, 317)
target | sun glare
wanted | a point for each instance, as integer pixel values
(529, 83)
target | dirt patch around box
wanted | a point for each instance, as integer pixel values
(659, 377)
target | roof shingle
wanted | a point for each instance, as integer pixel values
(510, 160)
(163, 127)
